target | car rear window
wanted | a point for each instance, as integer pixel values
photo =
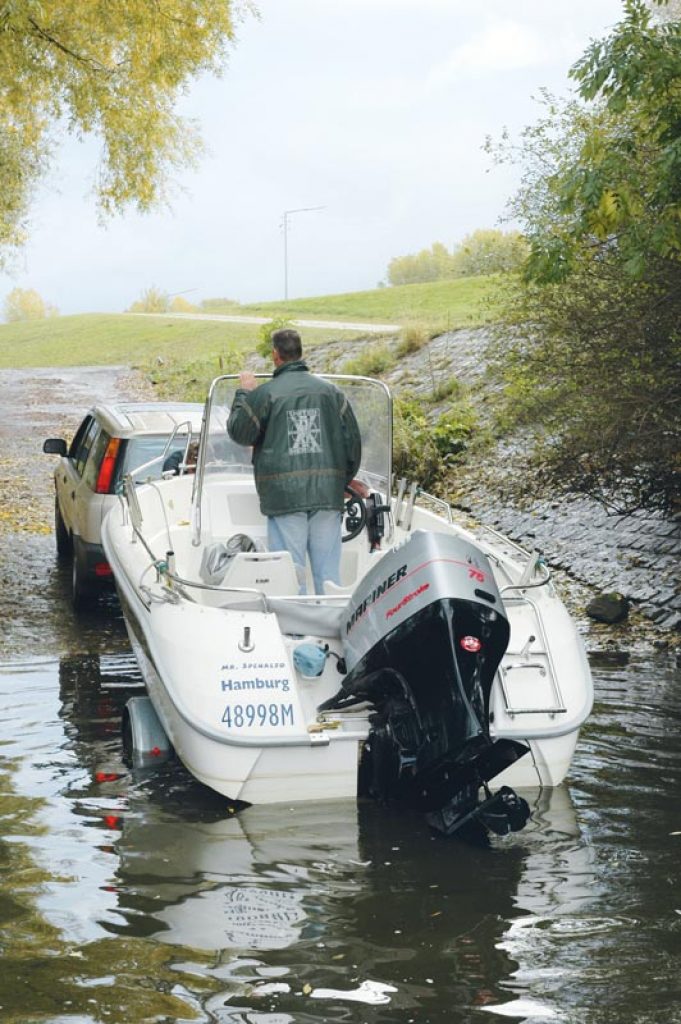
(142, 449)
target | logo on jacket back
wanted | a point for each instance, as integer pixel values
(304, 431)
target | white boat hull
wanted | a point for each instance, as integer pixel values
(218, 659)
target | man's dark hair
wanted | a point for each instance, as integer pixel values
(287, 343)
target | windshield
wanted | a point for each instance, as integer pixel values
(372, 405)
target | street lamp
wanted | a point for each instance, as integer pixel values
(287, 214)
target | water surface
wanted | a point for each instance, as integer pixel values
(134, 896)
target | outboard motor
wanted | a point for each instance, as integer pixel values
(424, 633)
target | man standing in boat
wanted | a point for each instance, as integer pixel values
(306, 450)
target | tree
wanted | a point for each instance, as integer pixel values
(428, 265)
(152, 300)
(591, 344)
(635, 75)
(482, 252)
(488, 252)
(181, 305)
(27, 304)
(111, 69)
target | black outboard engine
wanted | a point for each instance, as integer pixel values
(424, 634)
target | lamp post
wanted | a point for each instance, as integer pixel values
(287, 214)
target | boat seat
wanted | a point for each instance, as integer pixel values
(271, 572)
(335, 589)
(308, 617)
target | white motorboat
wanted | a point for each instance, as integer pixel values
(444, 661)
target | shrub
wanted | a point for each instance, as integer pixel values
(450, 387)
(264, 344)
(27, 304)
(412, 339)
(423, 451)
(374, 361)
(152, 300)
(453, 430)
(182, 305)
(415, 454)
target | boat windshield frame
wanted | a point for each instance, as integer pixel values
(377, 479)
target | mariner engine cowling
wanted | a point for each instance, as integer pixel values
(423, 636)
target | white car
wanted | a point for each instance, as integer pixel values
(111, 441)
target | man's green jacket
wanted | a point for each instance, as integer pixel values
(305, 438)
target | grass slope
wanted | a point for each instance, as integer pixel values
(464, 302)
(94, 339)
(181, 356)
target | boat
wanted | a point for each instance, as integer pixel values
(442, 665)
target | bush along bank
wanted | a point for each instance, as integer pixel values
(499, 481)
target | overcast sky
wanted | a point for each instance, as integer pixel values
(376, 110)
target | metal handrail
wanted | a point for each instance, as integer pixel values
(438, 502)
(561, 707)
(160, 458)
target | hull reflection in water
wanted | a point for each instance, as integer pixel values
(240, 882)
(339, 873)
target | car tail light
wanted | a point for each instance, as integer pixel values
(103, 569)
(106, 470)
(471, 644)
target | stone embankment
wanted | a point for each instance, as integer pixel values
(638, 555)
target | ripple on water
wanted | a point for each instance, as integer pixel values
(145, 878)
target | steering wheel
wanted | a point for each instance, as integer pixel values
(355, 512)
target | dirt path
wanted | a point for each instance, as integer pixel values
(36, 404)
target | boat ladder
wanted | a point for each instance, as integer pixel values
(527, 674)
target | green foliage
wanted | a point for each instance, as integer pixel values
(591, 344)
(26, 304)
(600, 381)
(423, 451)
(622, 186)
(415, 454)
(111, 69)
(489, 252)
(152, 300)
(181, 305)
(447, 388)
(432, 264)
(453, 430)
(374, 361)
(480, 253)
(265, 332)
(412, 339)
(178, 379)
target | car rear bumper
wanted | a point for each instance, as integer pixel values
(95, 563)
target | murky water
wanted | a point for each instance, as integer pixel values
(135, 896)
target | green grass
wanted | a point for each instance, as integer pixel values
(464, 302)
(181, 356)
(94, 339)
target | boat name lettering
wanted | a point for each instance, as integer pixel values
(244, 716)
(245, 665)
(257, 684)
(374, 596)
(406, 599)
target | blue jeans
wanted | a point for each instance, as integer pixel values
(315, 533)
